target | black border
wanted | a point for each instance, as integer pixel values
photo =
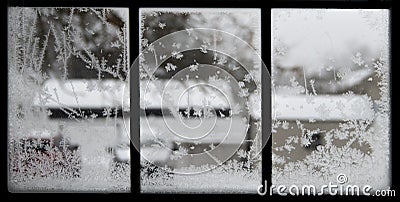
(266, 44)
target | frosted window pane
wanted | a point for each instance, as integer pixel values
(200, 95)
(67, 67)
(331, 106)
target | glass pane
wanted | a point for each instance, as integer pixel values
(331, 105)
(200, 94)
(66, 70)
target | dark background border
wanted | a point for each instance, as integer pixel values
(134, 6)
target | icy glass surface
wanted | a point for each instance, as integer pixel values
(66, 70)
(200, 97)
(331, 107)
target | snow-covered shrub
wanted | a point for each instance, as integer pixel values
(32, 158)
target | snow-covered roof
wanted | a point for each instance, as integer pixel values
(81, 93)
(109, 93)
(322, 107)
(86, 93)
(175, 93)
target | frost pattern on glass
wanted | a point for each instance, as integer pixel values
(66, 69)
(200, 100)
(331, 109)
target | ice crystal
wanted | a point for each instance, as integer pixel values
(58, 56)
(325, 144)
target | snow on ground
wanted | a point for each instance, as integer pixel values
(207, 183)
(101, 184)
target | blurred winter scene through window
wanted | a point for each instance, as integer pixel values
(200, 100)
(66, 72)
(331, 106)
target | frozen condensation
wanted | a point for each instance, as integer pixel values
(331, 109)
(66, 67)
